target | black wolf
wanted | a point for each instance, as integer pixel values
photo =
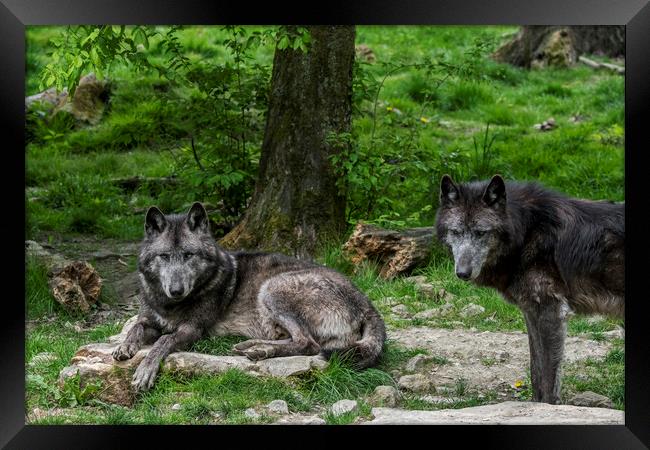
(192, 288)
(549, 254)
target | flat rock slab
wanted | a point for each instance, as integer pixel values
(487, 360)
(94, 362)
(506, 413)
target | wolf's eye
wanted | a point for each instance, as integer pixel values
(164, 256)
(454, 232)
(480, 233)
(187, 255)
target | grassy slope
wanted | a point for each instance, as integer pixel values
(69, 193)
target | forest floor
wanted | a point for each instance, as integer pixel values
(466, 359)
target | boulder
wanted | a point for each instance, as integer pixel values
(343, 407)
(506, 413)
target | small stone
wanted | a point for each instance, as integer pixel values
(278, 407)
(417, 362)
(415, 383)
(427, 289)
(343, 406)
(252, 414)
(384, 396)
(504, 356)
(176, 407)
(418, 279)
(400, 310)
(436, 399)
(618, 333)
(472, 310)
(592, 399)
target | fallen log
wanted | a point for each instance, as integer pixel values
(601, 65)
(397, 252)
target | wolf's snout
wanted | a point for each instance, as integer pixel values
(176, 291)
(464, 273)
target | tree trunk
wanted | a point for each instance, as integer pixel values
(541, 45)
(296, 204)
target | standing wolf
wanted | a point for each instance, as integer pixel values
(546, 253)
(192, 288)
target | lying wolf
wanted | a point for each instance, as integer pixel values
(191, 288)
(548, 254)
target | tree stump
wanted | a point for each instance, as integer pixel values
(560, 46)
(397, 252)
(75, 285)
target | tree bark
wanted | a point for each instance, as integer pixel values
(541, 45)
(296, 204)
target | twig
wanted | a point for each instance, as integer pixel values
(196, 157)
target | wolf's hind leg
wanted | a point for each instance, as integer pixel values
(546, 324)
(300, 342)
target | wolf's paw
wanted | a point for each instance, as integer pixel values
(240, 347)
(125, 351)
(144, 376)
(258, 352)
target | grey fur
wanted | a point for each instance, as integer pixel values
(192, 288)
(549, 254)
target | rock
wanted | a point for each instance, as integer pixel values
(442, 311)
(301, 420)
(472, 310)
(591, 399)
(618, 333)
(547, 125)
(343, 406)
(401, 310)
(427, 289)
(506, 413)
(290, 365)
(415, 383)
(278, 407)
(435, 399)
(384, 396)
(417, 362)
(76, 287)
(252, 414)
(416, 279)
(95, 363)
(176, 407)
(42, 359)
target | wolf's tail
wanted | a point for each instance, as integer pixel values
(366, 351)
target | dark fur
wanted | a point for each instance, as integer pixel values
(549, 254)
(285, 305)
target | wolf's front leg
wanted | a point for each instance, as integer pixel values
(546, 323)
(182, 338)
(139, 334)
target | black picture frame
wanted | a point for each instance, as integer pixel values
(16, 14)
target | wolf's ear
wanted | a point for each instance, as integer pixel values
(448, 190)
(495, 192)
(197, 218)
(155, 222)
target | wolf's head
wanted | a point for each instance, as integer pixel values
(178, 253)
(472, 222)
